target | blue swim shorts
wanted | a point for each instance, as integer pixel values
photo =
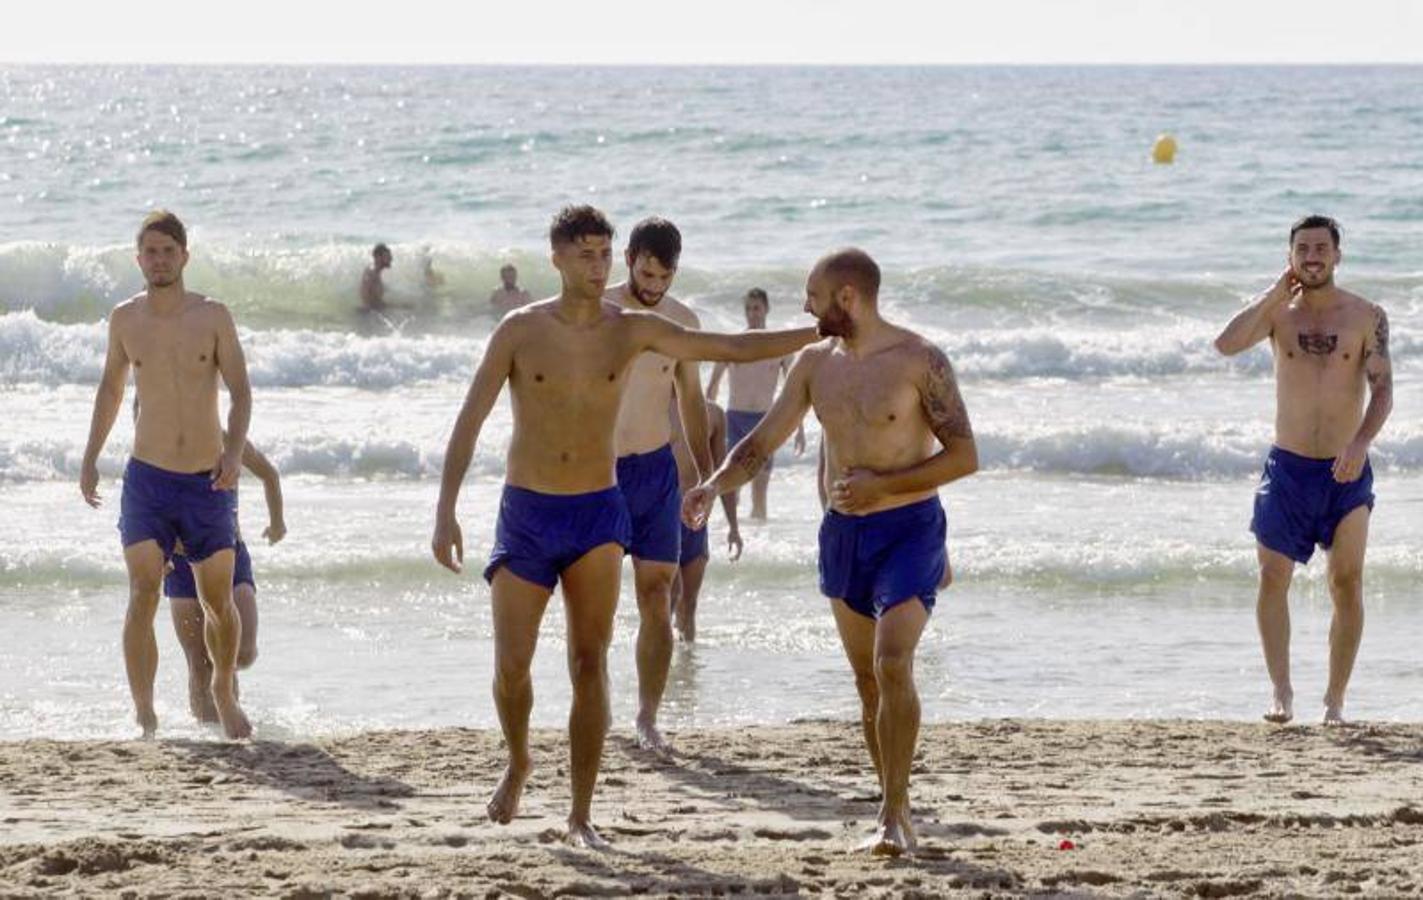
(694, 545)
(180, 582)
(539, 535)
(877, 561)
(166, 506)
(654, 501)
(739, 423)
(1299, 504)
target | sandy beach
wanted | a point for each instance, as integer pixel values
(1150, 808)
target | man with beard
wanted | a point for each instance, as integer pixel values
(885, 397)
(179, 482)
(562, 517)
(1317, 487)
(647, 467)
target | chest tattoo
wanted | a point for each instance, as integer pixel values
(1317, 343)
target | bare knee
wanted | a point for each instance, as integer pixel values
(587, 666)
(143, 596)
(867, 686)
(1275, 576)
(1346, 583)
(894, 670)
(511, 674)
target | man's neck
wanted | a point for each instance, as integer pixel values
(167, 299)
(867, 337)
(1320, 298)
(579, 309)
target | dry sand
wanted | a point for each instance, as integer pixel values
(1154, 808)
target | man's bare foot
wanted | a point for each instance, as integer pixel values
(649, 738)
(230, 714)
(200, 698)
(1282, 709)
(504, 805)
(147, 720)
(582, 834)
(889, 839)
(1334, 715)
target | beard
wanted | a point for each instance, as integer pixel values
(835, 323)
(162, 281)
(646, 298)
(1318, 278)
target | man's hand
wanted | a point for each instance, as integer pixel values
(856, 490)
(1349, 465)
(447, 537)
(696, 506)
(89, 484)
(733, 543)
(228, 468)
(1286, 287)
(275, 531)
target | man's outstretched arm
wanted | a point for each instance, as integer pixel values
(655, 333)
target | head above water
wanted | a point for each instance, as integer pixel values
(654, 247)
(380, 255)
(582, 241)
(162, 249)
(509, 276)
(843, 287)
(757, 305)
(1314, 250)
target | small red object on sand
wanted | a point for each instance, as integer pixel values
(1067, 845)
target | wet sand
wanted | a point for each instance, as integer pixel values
(1148, 808)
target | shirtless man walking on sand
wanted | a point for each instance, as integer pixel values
(647, 467)
(1317, 487)
(179, 483)
(895, 430)
(751, 387)
(562, 518)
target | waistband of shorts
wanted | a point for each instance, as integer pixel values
(136, 464)
(1280, 454)
(636, 459)
(531, 497)
(886, 516)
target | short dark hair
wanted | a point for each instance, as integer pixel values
(163, 222)
(758, 294)
(378, 249)
(854, 267)
(659, 238)
(574, 222)
(1317, 221)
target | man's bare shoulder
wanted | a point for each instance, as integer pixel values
(679, 312)
(923, 355)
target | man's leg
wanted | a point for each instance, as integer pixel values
(857, 635)
(690, 583)
(897, 724)
(222, 633)
(1346, 586)
(759, 487)
(244, 597)
(654, 646)
(144, 561)
(188, 625)
(1272, 614)
(590, 598)
(518, 609)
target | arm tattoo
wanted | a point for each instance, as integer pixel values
(1381, 335)
(747, 458)
(942, 403)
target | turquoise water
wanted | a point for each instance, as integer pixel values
(1104, 567)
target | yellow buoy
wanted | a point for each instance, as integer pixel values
(1164, 150)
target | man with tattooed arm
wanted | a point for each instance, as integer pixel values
(895, 431)
(1317, 487)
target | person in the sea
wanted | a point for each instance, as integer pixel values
(896, 429)
(1330, 348)
(508, 295)
(750, 392)
(562, 518)
(692, 566)
(372, 287)
(179, 483)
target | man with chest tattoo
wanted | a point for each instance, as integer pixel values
(1317, 487)
(562, 518)
(179, 482)
(895, 430)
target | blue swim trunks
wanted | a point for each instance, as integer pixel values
(694, 545)
(1299, 504)
(654, 501)
(180, 581)
(877, 561)
(166, 506)
(539, 535)
(739, 423)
